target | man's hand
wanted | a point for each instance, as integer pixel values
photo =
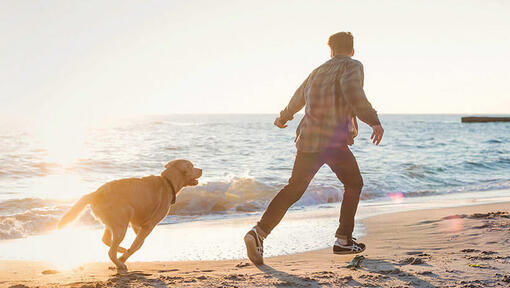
(377, 134)
(278, 123)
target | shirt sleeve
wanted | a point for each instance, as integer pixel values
(297, 102)
(351, 83)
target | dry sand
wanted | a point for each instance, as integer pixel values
(452, 247)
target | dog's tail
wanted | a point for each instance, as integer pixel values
(75, 210)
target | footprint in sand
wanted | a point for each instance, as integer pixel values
(238, 277)
(469, 250)
(242, 264)
(412, 261)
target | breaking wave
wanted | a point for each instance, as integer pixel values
(24, 217)
(30, 216)
(240, 195)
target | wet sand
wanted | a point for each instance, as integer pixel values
(451, 247)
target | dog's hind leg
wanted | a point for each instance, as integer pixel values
(136, 229)
(118, 234)
(107, 239)
(140, 238)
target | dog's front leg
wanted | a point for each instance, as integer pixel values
(140, 237)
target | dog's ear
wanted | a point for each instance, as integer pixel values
(183, 166)
(187, 167)
(169, 164)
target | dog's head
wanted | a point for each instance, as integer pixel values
(182, 169)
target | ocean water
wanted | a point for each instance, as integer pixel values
(245, 159)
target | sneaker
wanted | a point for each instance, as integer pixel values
(254, 246)
(351, 248)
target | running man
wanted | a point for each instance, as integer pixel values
(333, 97)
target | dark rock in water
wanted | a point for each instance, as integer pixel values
(484, 119)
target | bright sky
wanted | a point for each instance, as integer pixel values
(88, 59)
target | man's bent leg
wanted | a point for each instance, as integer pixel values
(306, 166)
(344, 164)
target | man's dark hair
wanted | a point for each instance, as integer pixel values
(341, 42)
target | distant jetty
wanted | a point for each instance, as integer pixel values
(484, 119)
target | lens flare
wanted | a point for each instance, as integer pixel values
(397, 197)
(452, 224)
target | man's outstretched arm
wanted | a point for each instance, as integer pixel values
(297, 102)
(352, 88)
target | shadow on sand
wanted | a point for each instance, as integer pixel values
(286, 278)
(289, 280)
(374, 273)
(128, 279)
(380, 270)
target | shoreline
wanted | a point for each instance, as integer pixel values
(439, 240)
(303, 229)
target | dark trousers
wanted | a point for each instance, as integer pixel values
(342, 162)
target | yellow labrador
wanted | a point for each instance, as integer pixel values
(143, 202)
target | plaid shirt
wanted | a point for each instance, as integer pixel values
(332, 96)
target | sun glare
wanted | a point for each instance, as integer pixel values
(63, 140)
(72, 246)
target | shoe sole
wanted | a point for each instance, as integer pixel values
(347, 252)
(251, 250)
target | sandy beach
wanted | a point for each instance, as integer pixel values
(152, 136)
(451, 247)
